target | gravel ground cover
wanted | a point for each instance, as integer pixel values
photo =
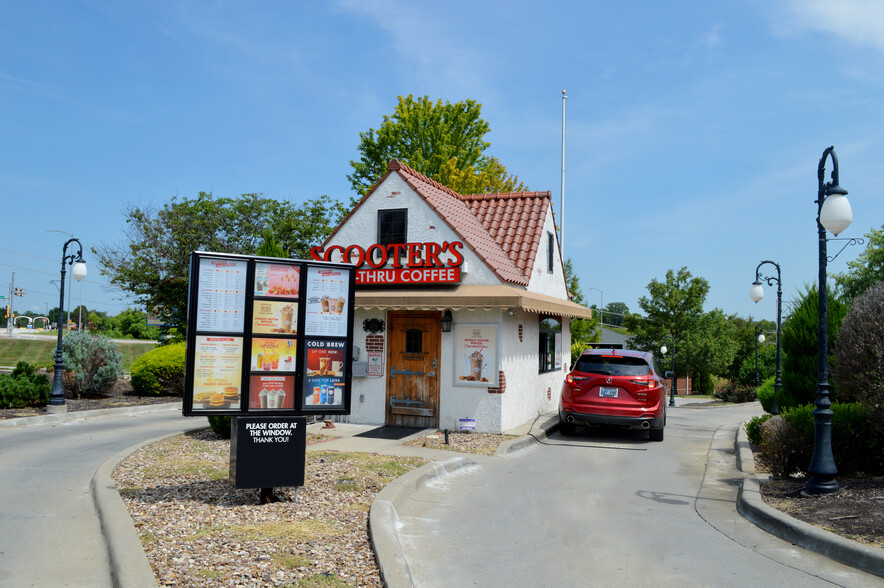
(464, 442)
(197, 530)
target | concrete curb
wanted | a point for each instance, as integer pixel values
(550, 423)
(128, 562)
(383, 517)
(64, 417)
(750, 505)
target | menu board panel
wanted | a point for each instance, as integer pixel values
(327, 300)
(217, 373)
(271, 392)
(324, 382)
(277, 355)
(273, 317)
(277, 280)
(221, 299)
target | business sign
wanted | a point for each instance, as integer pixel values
(399, 263)
(264, 332)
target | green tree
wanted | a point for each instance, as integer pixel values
(800, 337)
(153, 262)
(709, 348)
(583, 331)
(671, 311)
(615, 312)
(443, 141)
(866, 270)
(269, 247)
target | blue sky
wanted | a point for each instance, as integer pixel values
(694, 129)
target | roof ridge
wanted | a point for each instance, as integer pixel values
(396, 165)
(507, 195)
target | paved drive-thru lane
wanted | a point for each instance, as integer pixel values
(607, 509)
(46, 506)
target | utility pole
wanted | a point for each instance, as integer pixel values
(10, 320)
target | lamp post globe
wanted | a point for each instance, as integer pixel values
(761, 338)
(756, 292)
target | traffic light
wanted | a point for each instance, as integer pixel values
(19, 292)
(7, 311)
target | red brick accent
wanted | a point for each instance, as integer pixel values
(501, 385)
(549, 393)
(374, 343)
(520, 333)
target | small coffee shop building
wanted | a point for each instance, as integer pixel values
(462, 314)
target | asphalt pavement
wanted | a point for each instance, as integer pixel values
(64, 523)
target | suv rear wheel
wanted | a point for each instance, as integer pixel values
(656, 434)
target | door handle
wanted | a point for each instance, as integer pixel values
(431, 374)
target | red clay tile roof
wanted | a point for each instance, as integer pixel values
(515, 220)
(452, 209)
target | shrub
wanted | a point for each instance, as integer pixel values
(800, 345)
(221, 425)
(731, 392)
(92, 363)
(859, 351)
(787, 441)
(753, 428)
(160, 371)
(24, 387)
(765, 394)
(783, 448)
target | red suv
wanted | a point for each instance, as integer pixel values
(614, 387)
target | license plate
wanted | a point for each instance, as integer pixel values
(608, 392)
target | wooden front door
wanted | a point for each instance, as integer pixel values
(413, 375)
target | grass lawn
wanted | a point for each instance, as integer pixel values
(41, 352)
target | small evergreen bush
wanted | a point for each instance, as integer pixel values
(24, 387)
(221, 425)
(92, 363)
(765, 394)
(753, 428)
(160, 371)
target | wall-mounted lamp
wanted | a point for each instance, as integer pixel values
(446, 321)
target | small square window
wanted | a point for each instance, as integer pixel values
(414, 341)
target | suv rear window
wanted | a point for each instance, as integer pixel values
(610, 365)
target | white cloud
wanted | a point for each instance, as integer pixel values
(857, 21)
(427, 48)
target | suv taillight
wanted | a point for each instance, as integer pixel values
(649, 383)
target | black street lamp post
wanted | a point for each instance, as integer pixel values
(756, 294)
(833, 214)
(56, 397)
(674, 388)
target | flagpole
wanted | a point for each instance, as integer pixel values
(562, 207)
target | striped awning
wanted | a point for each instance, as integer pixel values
(469, 297)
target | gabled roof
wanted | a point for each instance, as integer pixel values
(503, 229)
(515, 220)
